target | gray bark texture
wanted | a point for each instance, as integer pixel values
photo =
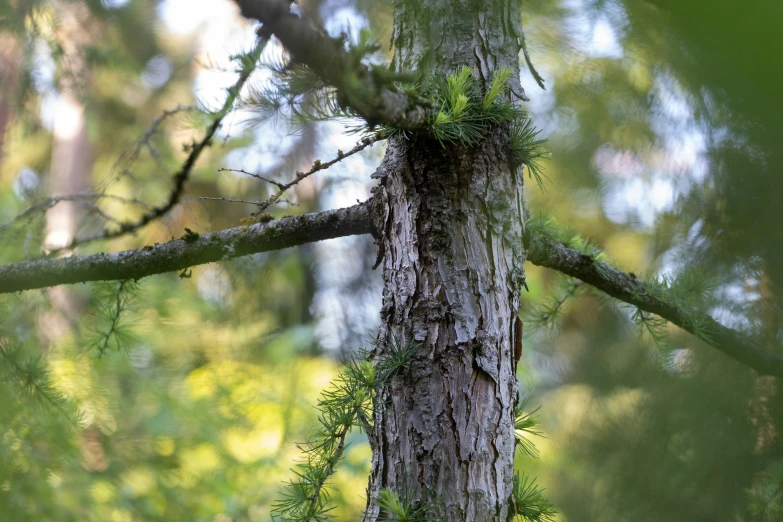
(451, 226)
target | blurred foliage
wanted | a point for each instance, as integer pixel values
(663, 120)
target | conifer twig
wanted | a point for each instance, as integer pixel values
(375, 100)
(33, 378)
(114, 319)
(247, 66)
(545, 251)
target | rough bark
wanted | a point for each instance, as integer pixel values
(451, 233)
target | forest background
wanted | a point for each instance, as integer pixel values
(663, 119)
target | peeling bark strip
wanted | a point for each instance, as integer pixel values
(183, 253)
(624, 287)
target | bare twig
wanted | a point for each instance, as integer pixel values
(317, 166)
(257, 176)
(256, 203)
(88, 198)
(132, 154)
(182, 175)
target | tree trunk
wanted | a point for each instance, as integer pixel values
(71, 163)
(10, 65)
(451, 233)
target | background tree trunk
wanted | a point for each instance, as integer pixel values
(452, 272)
(71, 163)
(10, 65)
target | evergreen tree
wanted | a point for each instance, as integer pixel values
(437, 394)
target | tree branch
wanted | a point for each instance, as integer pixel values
(544, 251)
(188, 251)
(358, 87)
(194, 250)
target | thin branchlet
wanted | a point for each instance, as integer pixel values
(652, 299)
(246, 66)
(345, 404)
(317, 167)
(547, 245)
(547, 313)
(30, 377)
(115, 306)
(358, 89)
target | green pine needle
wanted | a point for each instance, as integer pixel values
(30, 377)
(345, 404)
(400, 508)
(531, 505)
(547, 314)
(499, 86)
(113, 317)
(525, 425)
(529, 148)
(765, 497)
